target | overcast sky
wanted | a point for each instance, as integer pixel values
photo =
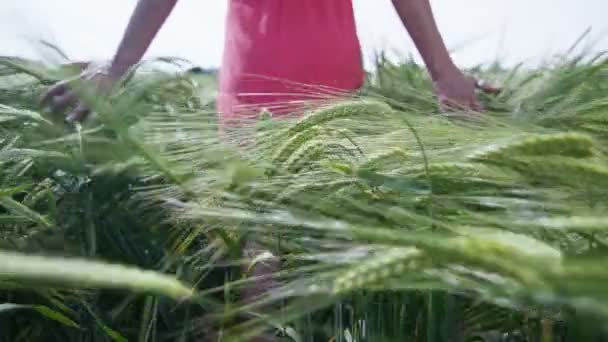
(479, 30)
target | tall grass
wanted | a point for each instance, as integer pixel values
(393, 222)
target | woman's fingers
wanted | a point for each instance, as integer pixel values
(456, 105)
(56, 90)
(477, 106)
(59, 96)
(78, 114)
(487, 87)
(61, 102)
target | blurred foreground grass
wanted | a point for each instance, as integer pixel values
(393, 222)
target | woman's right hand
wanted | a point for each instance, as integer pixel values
(61, 95)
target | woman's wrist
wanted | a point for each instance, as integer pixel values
(120, 65)
(444, 69)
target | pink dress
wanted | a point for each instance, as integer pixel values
(280, 53)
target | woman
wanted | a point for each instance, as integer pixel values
(280, 52)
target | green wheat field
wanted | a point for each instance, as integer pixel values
(393, 221)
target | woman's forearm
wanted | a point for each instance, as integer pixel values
(147, 19)
(417, 17)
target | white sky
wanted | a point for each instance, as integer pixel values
(481, 30)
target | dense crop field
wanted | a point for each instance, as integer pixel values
(394, 222)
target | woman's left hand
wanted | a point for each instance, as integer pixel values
(456, 91)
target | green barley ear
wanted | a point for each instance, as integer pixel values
(311, 152)
(73, 272)
(240, 174)
(566, 171)
(384, 159)
(582, 224)
(596, 128)
(296, 141)
(360, 108)
(562, 144)
(450, 177)
(446, 169)
(293, 143)
(390, 263)
(328, 187)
